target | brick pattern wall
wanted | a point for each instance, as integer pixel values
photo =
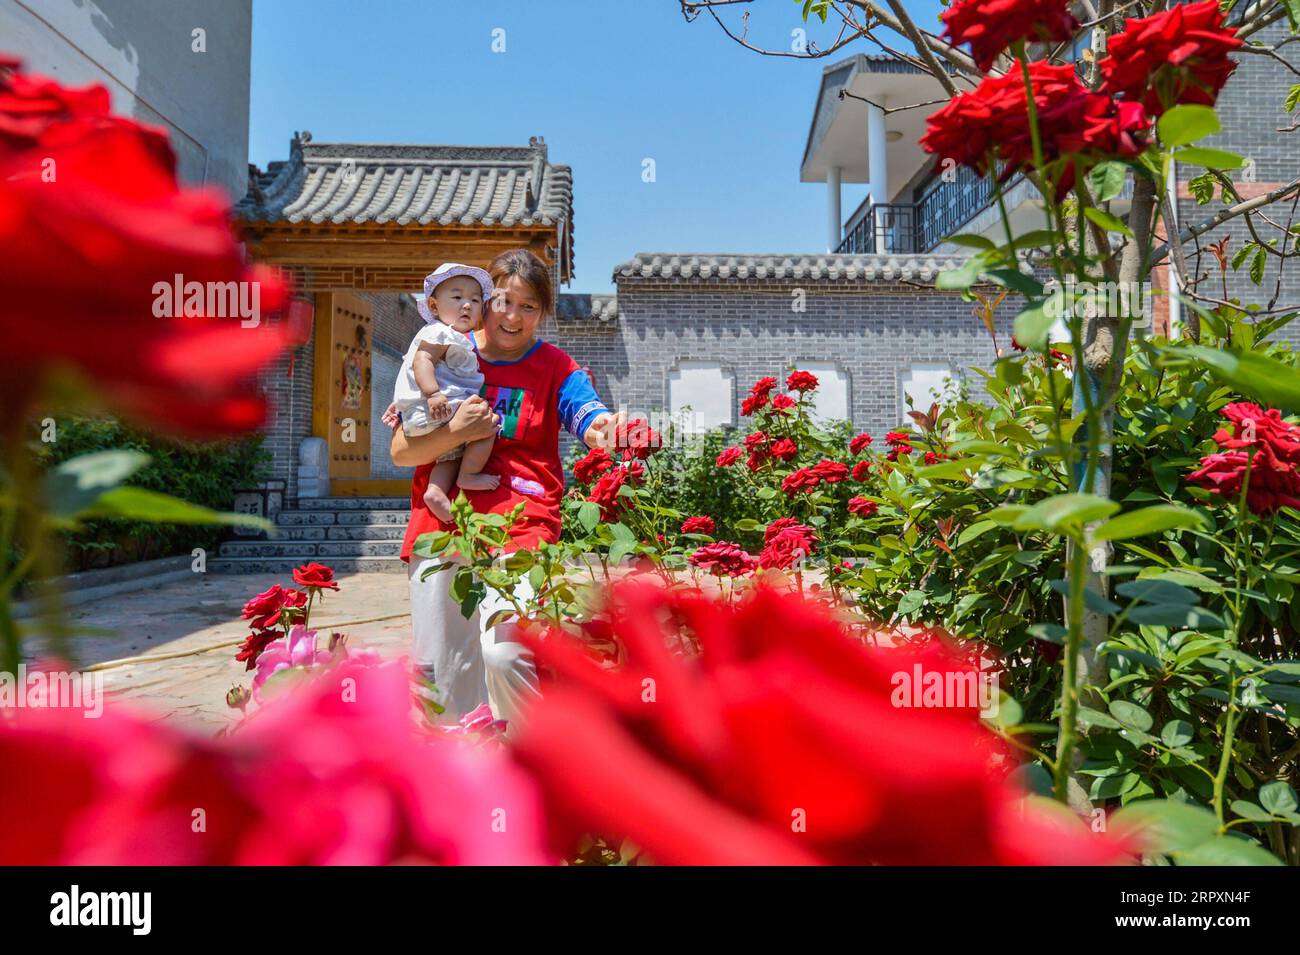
(287, 386)
(1251, 109)
(873, 330)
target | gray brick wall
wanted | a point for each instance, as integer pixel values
(1251, 109)
(874, 331)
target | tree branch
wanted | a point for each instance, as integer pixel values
(1232, 212)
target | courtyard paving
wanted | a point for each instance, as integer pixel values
(171, 649)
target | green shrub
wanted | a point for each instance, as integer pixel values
(205, 474)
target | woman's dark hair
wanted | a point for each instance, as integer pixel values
(531, 270)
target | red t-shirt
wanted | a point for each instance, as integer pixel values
(526, 455)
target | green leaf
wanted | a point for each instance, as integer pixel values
(1017, 281)
(1177, 733)
(78, 482)
(622, 532)
(431, 544)
(1090, 717)
(1228, 850)
(1164, 826)
(1248, 810)
(1063, 512)
(1106, 221)
(1148, 520)
(962, 277)
(1106, 180)
(1153, 591)
(1186, 124)
(1278, 797)
(1210, 158)
(974, 531)
(1176, 615)
(1257, 376)
(1130, 714)
(1032, 325)
(138, 504)
(1293, 94)
(971, 240)
(620, 549)
(911, 602)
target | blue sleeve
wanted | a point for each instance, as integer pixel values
(579, 403)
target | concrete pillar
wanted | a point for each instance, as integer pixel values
(834, 220)
(878, 163)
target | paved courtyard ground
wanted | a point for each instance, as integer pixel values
(172, 648)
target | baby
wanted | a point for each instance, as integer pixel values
(440, 371)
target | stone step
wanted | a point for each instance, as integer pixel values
(312, 550)
(284, 566)
(308, 518)
(335, 532)
(353, 503)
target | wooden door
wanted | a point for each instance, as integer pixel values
(341, 399)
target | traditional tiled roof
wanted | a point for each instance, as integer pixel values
(363, 182)
(598, 308)
(832, 268)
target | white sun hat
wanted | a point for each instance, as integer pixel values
(446, 271)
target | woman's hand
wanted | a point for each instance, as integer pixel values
(603, 430)
(473, 420)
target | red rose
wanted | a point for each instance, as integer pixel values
(253, 646)
(895, 451)
(755, 440)
(991, 26)
(723, 558)
(1175, 57)
(637, 439)
(789, 526)
(320, 777)
(315, 575)
(727, 458)
(860, 443)
(832, 472)
(931, 458)
(784, 449)
(752, 404)
(781, 404)
(605, 491)
(991, 123)
(783, 551)
(698, 525)
(1282, 438)
(762, 387)
(862, 507)
(1273, 483)
(801, 381)
(756, 461)
(782, 715)
(861, 470)
(596, 462)
(898, 437)
(264, 609)
(803, 479)
(87, 252)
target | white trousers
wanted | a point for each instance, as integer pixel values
(469, 663)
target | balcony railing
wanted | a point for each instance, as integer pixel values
(896, 227)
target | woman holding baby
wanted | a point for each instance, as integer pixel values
(530, 390)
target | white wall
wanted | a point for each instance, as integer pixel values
(831, 400)
(143, 51)
(708, 389)
(924, 382)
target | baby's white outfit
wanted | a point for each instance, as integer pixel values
(457, 373)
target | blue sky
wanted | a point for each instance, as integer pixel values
(608, 83)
